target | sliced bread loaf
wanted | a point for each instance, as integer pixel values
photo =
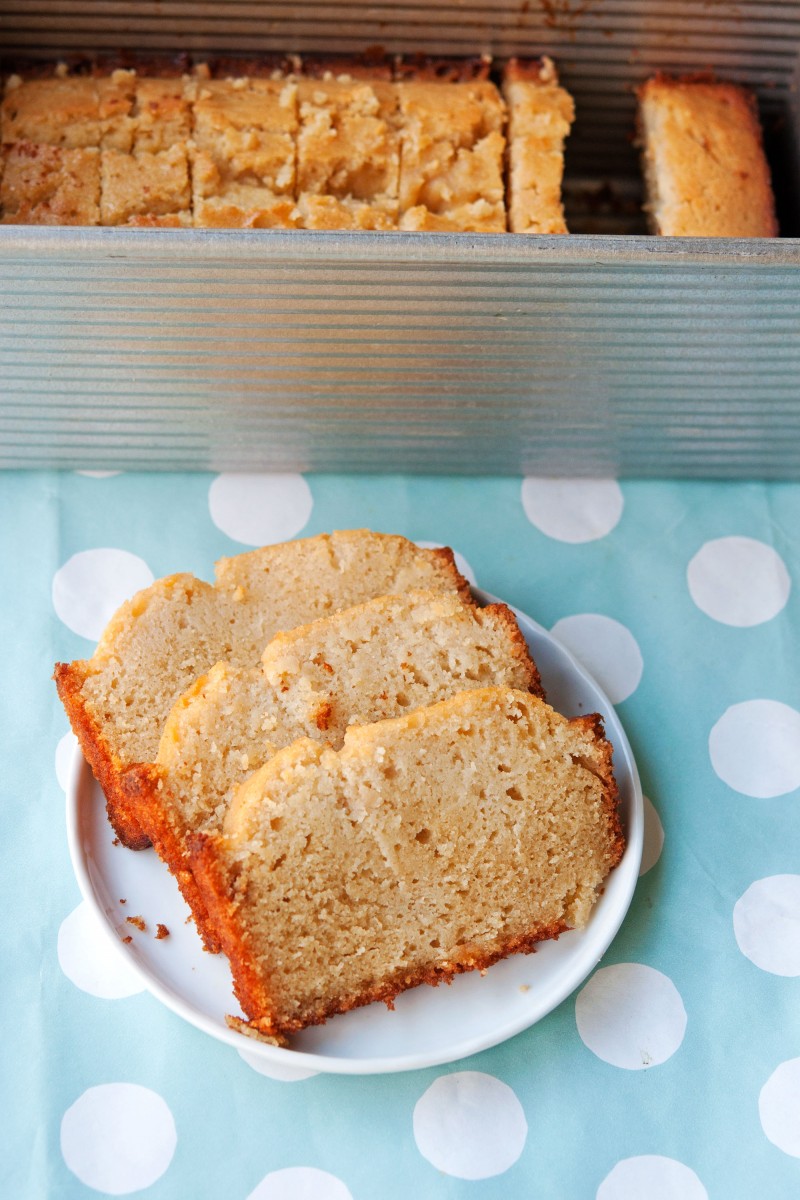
(434, 843)
(372, 661)
(159, 642)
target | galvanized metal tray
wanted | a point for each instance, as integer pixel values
(603, 352)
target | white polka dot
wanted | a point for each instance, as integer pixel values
(755, 748)
(631, 1016)
(738, 581)
(300, 1183)
(65, 753)
(89, 961)
(286, 1073)
(462, 564)
(470, 1125)
(653, 837)
(766, 922)
(779, 1107)
(572, 510)
(91, 586)
(98, 474)
(118, 1137)
(259, 510)
(651, 1177)
(607, 649)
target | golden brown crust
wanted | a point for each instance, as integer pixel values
(448, 560)
(367, 66)
(604, 770)
(425, 67)
(519, 647)
(212, 880)
(107, 768)
(142, 787)
(209, 866)
(530, 70)
(264, 66)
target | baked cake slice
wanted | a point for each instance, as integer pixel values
(705, 169)
(435, 843)
(540, 114)
(369, 662)
(170, 633)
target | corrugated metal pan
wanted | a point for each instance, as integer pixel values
(605, 351)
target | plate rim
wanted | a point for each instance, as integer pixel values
(305, 1061)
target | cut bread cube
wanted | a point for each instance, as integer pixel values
(159, 642)
(703, 158)
(540, 114)
(452, 151)
(372, 661)
(434, 843)
(135, 186)
(347, 141)
(243, 169)
(163, 115)
(49, 185)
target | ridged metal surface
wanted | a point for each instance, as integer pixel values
(343, 352)
(259, 349)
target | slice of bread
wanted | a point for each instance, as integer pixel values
(435, 843)
(703, 158)
(376, 660)
(540, 115)
(159, 642)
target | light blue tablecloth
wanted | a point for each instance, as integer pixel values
(676, 1075)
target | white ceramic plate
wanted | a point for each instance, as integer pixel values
(429, 1025)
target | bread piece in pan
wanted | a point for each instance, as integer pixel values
(243, 163)
(159, 642)
(452, 148)
(348, 144)
(540, 114)
(49, 185)
(704, 165)
(151, 186)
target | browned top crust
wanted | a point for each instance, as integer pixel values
(448, 70)
(530, 70)
(370, 65)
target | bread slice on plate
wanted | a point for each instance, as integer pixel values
(435, 843)
(373, 661)
(170, 633)
(704, 164)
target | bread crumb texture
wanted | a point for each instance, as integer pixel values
(297, 147)
(429, 844)
(704, 163)
(376, 660)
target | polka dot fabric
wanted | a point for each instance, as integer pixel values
(672, 1073)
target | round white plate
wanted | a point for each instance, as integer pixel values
(429, 1026)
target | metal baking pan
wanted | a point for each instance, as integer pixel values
(607, 351)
